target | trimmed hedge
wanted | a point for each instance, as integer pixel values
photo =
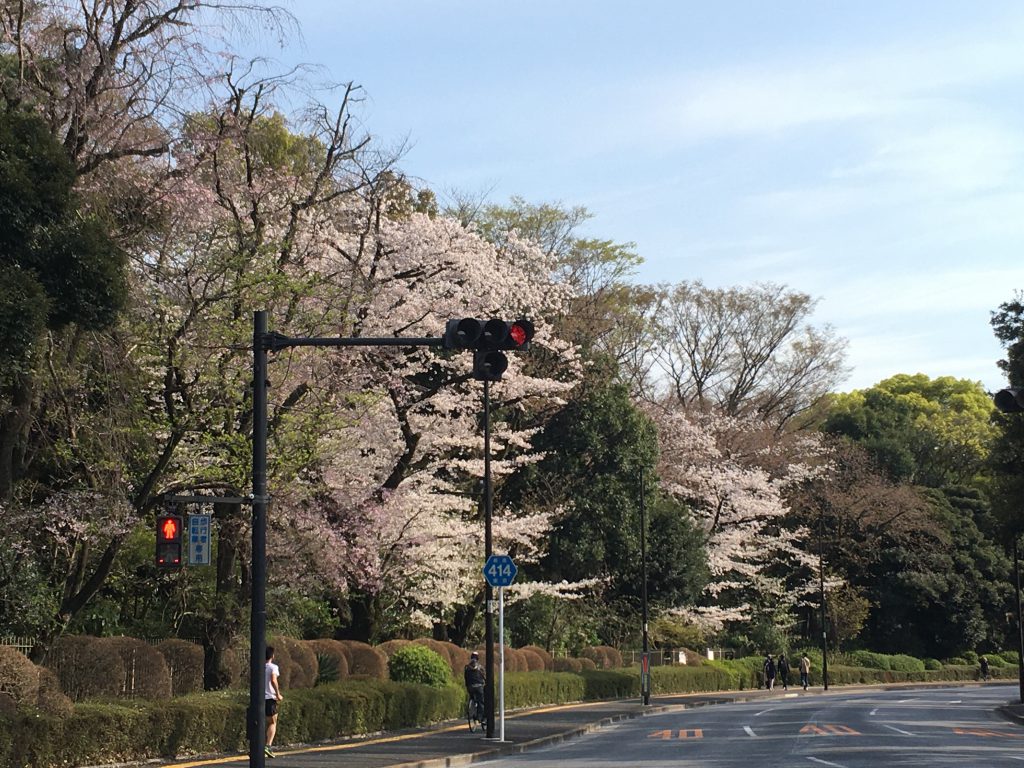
(132, 731)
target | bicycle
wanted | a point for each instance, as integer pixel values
(475, 715)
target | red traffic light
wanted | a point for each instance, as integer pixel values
(170, 529)
(520, 333)
(168, 541)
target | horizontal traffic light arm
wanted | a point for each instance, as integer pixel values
(272, 342)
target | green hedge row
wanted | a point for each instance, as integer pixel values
(211, 723)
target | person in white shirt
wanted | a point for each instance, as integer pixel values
(272, 695)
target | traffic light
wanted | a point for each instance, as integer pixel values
(462, 334)
(168, 541)
(1009, 400)
(488, 340)
(498, 334)
(488, 365)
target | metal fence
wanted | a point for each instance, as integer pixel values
(23, 644)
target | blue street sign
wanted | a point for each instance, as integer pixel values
(199, 539)
(500, 571)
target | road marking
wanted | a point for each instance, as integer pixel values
(898, 730)
(987, 733)
(956, 701)
(763, 711)
(750, 731)
(825, 762)
(905, 701)
(829, 729)
(684, 733)
(872, 712)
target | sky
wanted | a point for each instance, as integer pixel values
(869, 154)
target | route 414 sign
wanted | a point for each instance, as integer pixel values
(500, 571)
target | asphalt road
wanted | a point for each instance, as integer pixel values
(926, 728)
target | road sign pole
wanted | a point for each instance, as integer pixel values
(501, 663)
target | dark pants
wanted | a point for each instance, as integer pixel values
(803, 680)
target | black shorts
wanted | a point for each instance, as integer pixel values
(271, 707)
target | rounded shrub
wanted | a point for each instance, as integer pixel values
(301, 662)
(390, 646)
(19, 677)
(932, 664)
(365, 660)
(52, 700)
(543, 654)
(567, 665)
(86, 668)
(534, 663)
(901, 662)
(145, 672)
(332, 661)
(185, 664)
(871, 660)
(419, 664)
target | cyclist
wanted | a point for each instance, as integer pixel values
(476, 678)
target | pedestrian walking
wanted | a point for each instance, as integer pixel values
(769, 672)
(805, 671)
(983, 663)
(272, 696)
(783, 667)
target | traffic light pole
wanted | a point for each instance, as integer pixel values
(488, 592)
(258, 623)
(264, 341)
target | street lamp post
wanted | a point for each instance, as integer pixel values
(821, 599)
(1020, 627)
(645, 664)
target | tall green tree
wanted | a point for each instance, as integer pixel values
(599, 456)
(931, 432)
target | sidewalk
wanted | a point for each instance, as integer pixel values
(451, 744)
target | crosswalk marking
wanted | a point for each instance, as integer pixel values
(682, 733)
(829, 729)
(987, 733)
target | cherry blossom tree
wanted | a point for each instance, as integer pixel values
(735, 474)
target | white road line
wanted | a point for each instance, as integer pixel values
(898, 730)
(750, 731)
(872, 712)
(825, 762)
(763, 711)
(904, 701)
(955, 701)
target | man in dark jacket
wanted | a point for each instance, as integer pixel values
(783, 667)
(476, 678)
(769, 672)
